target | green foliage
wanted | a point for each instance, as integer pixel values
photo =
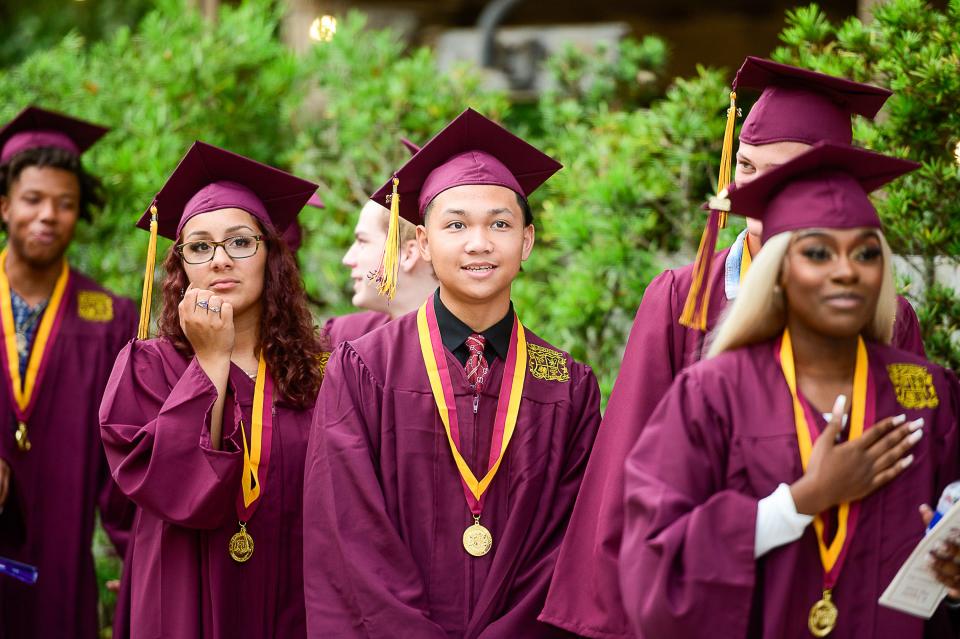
(171, 81)
(630, 190)
(940, 321)
(912, 49)
(31, 25)
(363, 92)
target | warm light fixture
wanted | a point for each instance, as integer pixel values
(323, 28)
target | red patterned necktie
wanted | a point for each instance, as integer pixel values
(476, 365)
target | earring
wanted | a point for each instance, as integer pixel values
(777, 290)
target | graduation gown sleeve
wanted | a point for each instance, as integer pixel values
(686, 559)
(360, 578)
(155, 424)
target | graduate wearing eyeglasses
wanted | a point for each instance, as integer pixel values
(205, 426)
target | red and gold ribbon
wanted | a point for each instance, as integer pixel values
(862, 415)
(508, 404)
(24, 392)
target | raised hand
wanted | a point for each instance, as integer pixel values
(852, 470)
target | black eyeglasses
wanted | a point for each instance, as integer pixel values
(202, 251)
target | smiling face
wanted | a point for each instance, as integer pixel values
(832, 279)
(236, 280)
(363, 256)
(475, 238)
(41, 211)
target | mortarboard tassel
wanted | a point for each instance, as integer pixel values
(389, 270)
(726, 153)
(146, 299)
(698, 299)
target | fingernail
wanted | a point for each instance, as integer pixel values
(915, 437)
(906, 461)
(840, 405)
(899, 419)
(915, 424)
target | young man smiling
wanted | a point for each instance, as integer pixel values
(448, 446)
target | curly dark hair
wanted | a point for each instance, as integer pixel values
(91, 190)
(291, 342)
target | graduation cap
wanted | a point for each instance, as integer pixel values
(469, 150)
(795, 105)
(208, 179)
(827, 187)
(799, 105)
(35, 127)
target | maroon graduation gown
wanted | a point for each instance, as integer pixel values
(384, 509)
(723, 438)
(349, 327)
(584, 596)
(155, 425)
(49, 516)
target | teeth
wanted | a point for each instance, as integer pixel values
(478, 268)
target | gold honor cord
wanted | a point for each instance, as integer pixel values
(256, 458)
(23, 391)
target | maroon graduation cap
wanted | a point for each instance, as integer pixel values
(469, 150)
(209, 178)
(800, 105)
(35, 127)
(826, 187)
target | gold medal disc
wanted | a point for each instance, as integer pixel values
(823, 616)
(23, 441)
(241, 545)
(477, 540)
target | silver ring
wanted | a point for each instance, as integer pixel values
(202, 304)
(213, 309)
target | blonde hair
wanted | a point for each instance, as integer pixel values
(759, 314)
(408, 230)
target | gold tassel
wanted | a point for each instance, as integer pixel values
(143, 332)
(726, 153)
(389, 271)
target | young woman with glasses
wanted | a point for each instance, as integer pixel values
(206, 426)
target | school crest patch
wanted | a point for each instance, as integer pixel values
(94, 306)
(322, 362)
(546, 363)
(913, 385)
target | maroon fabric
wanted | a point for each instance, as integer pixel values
(826, 186)
(154, 420)
(384, 512)
(722, 438)
(469, 150)
(209, 178)
(800, 105)
(345, 328)
(58, 485)
(584, 595)
(35, 127)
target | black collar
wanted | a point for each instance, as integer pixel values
(454, 333)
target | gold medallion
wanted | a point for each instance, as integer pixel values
(241, 545)
(23, 442)
(477, 540)
(823, 616)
